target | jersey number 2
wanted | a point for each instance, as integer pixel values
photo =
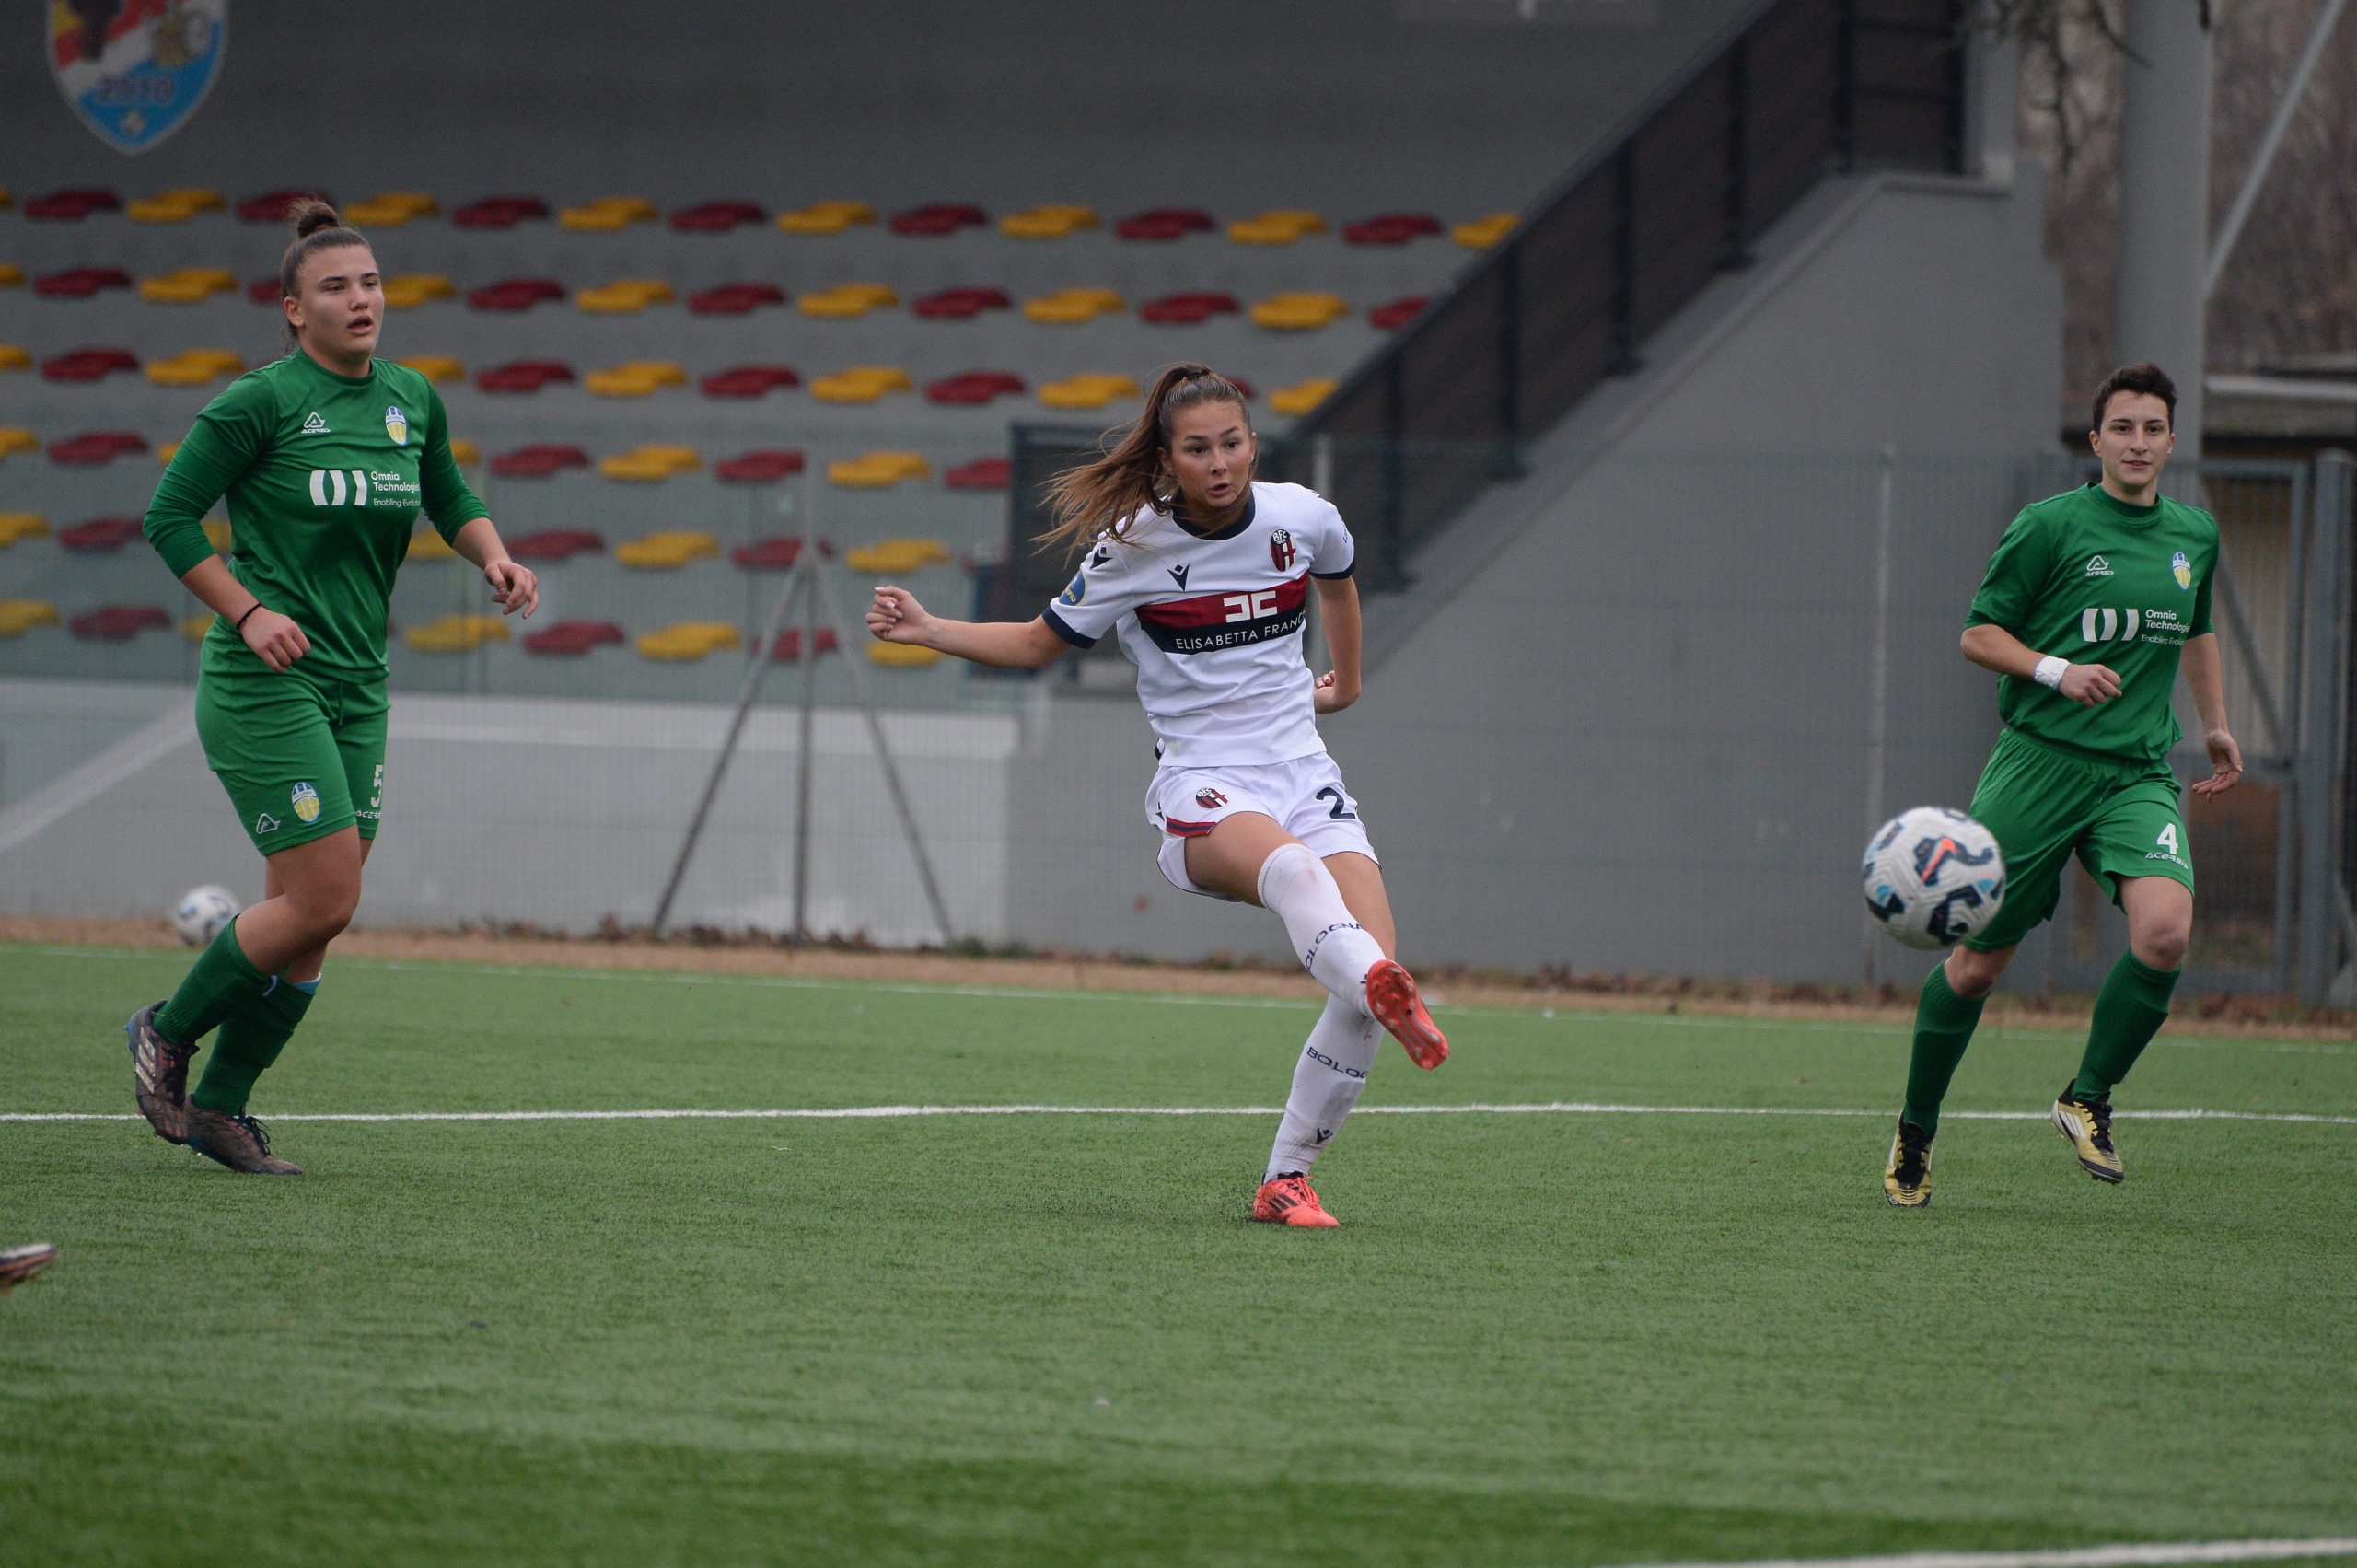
(1338, 814)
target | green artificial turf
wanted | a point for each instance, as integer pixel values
(1030, 1339)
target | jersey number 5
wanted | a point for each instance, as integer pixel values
(1340, 801)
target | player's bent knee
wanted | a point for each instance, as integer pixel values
(2163, 949)
(1973, 974)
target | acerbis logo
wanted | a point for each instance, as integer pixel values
(265, 823)
(339, 487)
(2098, 567)
(315, 426)
(2109, 625)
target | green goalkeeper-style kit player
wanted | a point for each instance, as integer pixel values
(326, 458)
(2093, 601)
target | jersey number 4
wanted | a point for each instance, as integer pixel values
(2168, 838)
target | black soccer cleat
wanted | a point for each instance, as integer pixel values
(159, 1075)
(238, 1142)
(1906, 1179)
(2087, 1125)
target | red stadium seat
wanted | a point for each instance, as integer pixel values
(271, 206)
(89, 364)
(961, 304)
(750, 380)
(939, 218)
(264, 291)
(1189, 309)
(789, 645)
(74, 204)
(1397, 314)
(759, 468)
(498, 211)
(515, 294)
(100, 535)
(557, 544)
(80, 282)
(1391, 229)
(777, 554)
(95, 446)
(570, 639)
(717, 217)
(975, 386)
(1163, 223)
(735, 298)
(983, 473)
(538, 462)
(118, 623)
(524, 376)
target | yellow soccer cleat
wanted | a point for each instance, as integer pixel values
(1906, 1179)
(2087, 1124)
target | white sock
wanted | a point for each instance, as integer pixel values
(1325, 1083)
(1332, 947)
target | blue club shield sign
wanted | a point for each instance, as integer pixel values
(135, 70)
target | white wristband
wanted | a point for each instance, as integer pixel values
(2049, 672)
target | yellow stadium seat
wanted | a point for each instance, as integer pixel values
(877, 471)
(216, 533)
(650, 462)
(1482, 233)
(1281, 226)
(194, 627)
(194, 367)
(464, 452)
(1050, 222)
(624, 296)
(391, 209)
(436, 367)
(636, 378)
(411, 290)
(893, 556)
(608, 213)
(667, 551)
(14, 358)
(826, 217)
(1299, 312)
(426, 544)
(689, 640)
(11, 275)
(20, 615)
(901, 656)
(1301, 397)
(1072, 304)
(1088, 391)
(846, 301)
(188, 286)
(862, 384)
(174, 206)
(457, 633)
(14, 526)
(16, 438)
(164, 452)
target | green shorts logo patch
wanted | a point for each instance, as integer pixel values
(265, 823)
(306, 802)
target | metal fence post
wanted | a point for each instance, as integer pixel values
(2327, 627)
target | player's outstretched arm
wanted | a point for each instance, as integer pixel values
(1993, 647)
(2207, 679)
(895, 616)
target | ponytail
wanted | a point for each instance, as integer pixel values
(317, 227)
(1105, 496)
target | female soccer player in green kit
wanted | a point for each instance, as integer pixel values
(2093, 603)
(326, 458)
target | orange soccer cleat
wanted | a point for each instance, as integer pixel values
(1287, 1199)
(1391, 997)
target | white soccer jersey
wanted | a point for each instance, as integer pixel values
(1213, 622)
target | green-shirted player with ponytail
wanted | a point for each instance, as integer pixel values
(326, 458)
(2091, 604)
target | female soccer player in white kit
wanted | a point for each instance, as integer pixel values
(1204, 576)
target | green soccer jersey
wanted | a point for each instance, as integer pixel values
(326, 475)
(2086, 577)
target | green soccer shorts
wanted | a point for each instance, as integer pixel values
(2043, 803)
(301, 757)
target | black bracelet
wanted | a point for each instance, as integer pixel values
(239, 624)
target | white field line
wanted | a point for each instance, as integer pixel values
(2155, 1552)
(142, 749)
(889, 1112)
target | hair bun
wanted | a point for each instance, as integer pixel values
(310, 215)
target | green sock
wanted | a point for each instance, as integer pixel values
(221, 982)
(1943, 1026)
(249, 1042)
(2129, 1010)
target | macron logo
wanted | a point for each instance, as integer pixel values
(315, 426)
(2098, 567)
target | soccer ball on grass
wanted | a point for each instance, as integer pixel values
(201, 913)
(1933, 877)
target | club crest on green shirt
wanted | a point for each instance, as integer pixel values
(2181, 569)
(396, 425)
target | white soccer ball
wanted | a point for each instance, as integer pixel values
(1933, 877)
(201, 913)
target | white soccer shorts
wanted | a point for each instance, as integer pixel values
(1305, 796)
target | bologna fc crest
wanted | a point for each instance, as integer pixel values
(135, 70)
(1281, 550)
(1210, 799)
